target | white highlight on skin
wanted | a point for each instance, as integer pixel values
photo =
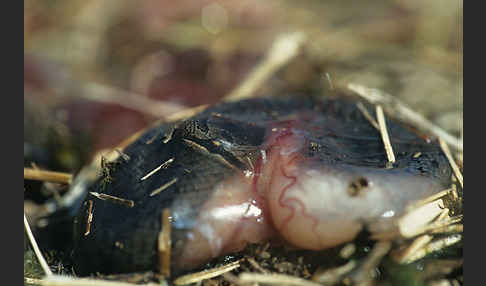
(264, 156)
(248, 173)
(233, 212)
(214, 240)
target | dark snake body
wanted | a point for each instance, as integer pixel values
(124, 239)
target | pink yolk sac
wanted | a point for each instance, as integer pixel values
(292, 196)
(306, 171)
(331, 205)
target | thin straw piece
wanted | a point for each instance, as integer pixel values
(396, 108)
(37, 251)
(48, 176)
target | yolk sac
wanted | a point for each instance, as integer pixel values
(308, 171)
(230, 219)
(311, 204)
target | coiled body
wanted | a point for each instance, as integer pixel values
(308, 170)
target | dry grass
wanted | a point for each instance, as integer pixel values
(322, 54)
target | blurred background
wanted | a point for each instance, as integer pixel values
(95, 72)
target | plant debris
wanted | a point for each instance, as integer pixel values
(105, 70)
